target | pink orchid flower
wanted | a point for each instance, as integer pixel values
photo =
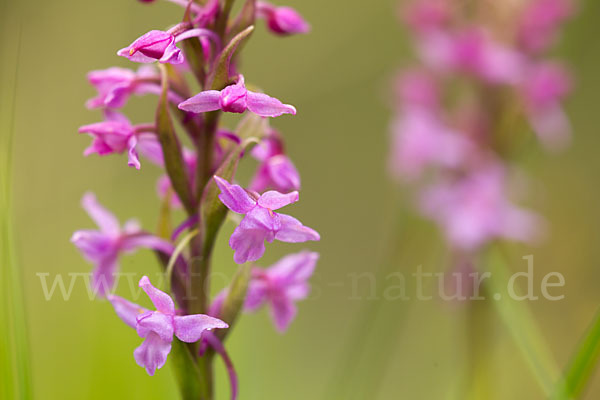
(158, 327)
(281, 286)
(237, 99)
(276, 171)
(260, 223)
(117, 135)
(160, 46)
(474, 210)
(540, 21)
(115, 86)
(281, 20)
(102, 247)
(543, 90)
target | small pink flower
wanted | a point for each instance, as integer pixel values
(474, 210)
(116, 85)
(237, 99)
(276, 171)
(540, 22)
(153, 46)
(102, 247)
(281, 20)
(280, 286)
(472, 52)
(426, 15)
(420, 140)
(158, 327)
(117, 135)
(260, 223)
(543, 90)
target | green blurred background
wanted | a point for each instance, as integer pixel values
(339, 79)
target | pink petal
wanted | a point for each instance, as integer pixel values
(103, 279)
(126, 310)
(202, 102)
(132, 242)
(189, 328)
(274, 200)
(157, 322)
(132, 155)
(292, 231)
(152, 353)
(234, 196)
(248, 244)
(160, 299)
(105, 220)
(267, 106)
(283, 312)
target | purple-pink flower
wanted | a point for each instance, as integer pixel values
(260, 223)
(276, 171)
(474, 210)
(115, 85)
(281, 286)
(102, 247)
(158, 327)
(543, 90)
(540, 22)
(153, 46)
(281, 20)
(237, 99)
(117, 135)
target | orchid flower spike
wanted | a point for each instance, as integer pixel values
(160, 46)
(236, 99)
(260, 222)
(276, 171)
(281, 20)
(102, 247)
(158, 327)
(117, 135)
(280, 286)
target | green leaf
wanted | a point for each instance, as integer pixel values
(521, 325)
(187, 372)
(171, 148)
(582, 366)
(245, 18)
(220, 76)
(221, 24)
(15, 367)
(234, 301)
(252, 126)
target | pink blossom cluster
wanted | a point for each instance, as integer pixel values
(199, 156)
(482, 83)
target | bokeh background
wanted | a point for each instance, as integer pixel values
(339, 79)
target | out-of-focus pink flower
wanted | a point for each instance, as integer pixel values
(427, 15)
(117, 135)
(543, 90)
(237, 99)
(260, 223)
(474, 210)
(158, 327)
(116, 85)
(420, 140)
(280, 286)
(415, 88)
(281, 20)
(276, 171)
(102, 247)
(472, 52)
(540, 22)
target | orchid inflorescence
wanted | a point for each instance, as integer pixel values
(481, 84)
(198, 178)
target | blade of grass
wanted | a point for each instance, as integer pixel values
(582, 365)
(16, 371)
(521, 325)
